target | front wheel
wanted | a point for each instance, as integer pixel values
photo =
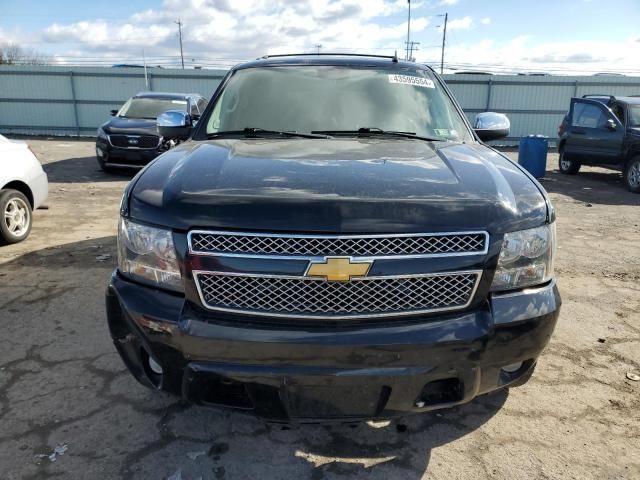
(16, 217)
(632, 175)
(567, 166)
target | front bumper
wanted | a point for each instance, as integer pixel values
(124, 157)
(318, 374)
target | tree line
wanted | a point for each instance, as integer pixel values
(12, 54)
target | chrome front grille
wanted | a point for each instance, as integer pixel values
(290, 296)
(235, 243)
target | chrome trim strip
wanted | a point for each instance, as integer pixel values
(526, 290)
(333, 237)
(123, 165)
(404, 313)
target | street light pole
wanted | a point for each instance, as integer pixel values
(408, 30)
(179, 23)
(444, 39)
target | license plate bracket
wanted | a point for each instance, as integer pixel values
(331, 401)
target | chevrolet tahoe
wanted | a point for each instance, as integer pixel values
(333, 241)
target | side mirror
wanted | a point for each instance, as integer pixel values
(491, 126)
(114, 113)
(611, 124)
(174, 125)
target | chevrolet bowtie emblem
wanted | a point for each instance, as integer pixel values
(338, 269)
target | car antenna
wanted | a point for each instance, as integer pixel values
(395, 57)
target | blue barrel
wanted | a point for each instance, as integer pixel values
(532, 154)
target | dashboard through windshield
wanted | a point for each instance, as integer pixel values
(314, 98)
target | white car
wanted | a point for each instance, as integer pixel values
(23, 188)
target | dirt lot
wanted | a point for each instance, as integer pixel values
(62, 384)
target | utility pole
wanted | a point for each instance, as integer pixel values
(318, 47)
(408, 30)
(146, 79)
(444, 39)
(412, 48)
(179, 23)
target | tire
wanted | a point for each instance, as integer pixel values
(16, 217)
(631, 175)
(566, 166)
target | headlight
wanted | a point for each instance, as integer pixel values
(147, 254)
(526, 258)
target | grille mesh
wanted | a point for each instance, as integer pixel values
(202, 242)
(143, 141)
(317, 298)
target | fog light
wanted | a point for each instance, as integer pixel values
(512, 368)
(155, 366)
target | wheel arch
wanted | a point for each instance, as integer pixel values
(631, 154)
(561, 144)
(22, 188)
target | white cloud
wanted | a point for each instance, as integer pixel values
(524, 53)
(448, 2)
(7, 37)
(243, 29)
(223, 32)
(460, 23)
(103, 35)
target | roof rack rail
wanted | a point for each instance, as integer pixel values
(589, 95)
(393, 58)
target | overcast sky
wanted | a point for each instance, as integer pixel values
(559, 36)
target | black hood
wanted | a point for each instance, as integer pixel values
(130, 126)
(349, 185)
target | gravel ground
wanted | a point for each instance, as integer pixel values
(63, 388)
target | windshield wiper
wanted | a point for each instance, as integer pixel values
(366, 131)
(259, 132)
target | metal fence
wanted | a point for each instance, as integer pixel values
(535, 105)
(75, 101)
(36, 100)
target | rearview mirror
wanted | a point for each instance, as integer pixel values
(174, 125)
(611, 124)
(491, 126)
(114, 113)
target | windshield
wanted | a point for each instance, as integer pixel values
(150, 108)
(634, 115)
(329, 98)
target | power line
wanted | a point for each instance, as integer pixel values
(506, 69)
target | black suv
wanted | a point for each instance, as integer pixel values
(333, 242)
(130, 138)
(602, 130)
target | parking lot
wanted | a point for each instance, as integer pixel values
(62, 385)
